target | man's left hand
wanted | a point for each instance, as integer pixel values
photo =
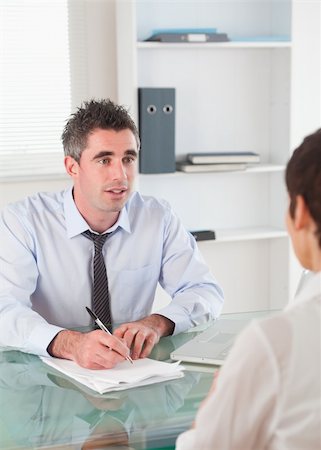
(141, 335)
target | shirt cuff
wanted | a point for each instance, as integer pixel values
(175, 314)
(41, 337)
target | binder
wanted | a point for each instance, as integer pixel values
(157, 130)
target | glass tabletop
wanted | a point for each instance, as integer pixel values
(42, 408)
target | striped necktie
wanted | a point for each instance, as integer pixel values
(100, 293)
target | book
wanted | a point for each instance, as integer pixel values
(188, 35)
(188, 167)
(184, 30)
(223, 157)
(124, 376)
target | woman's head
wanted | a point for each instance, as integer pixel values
(303, 178)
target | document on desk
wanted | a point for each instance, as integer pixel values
(124, 376)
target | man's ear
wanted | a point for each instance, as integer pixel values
(71, 165)
(302, 217)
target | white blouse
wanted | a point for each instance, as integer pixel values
(268, 392)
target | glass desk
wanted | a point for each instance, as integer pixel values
(41, 408)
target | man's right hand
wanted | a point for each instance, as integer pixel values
(93, 350)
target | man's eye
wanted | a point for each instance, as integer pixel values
(103, 161)
(129, 160)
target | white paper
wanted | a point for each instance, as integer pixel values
(124, 376)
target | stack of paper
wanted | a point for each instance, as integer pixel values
(124, 376)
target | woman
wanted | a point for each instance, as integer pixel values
(267, 395)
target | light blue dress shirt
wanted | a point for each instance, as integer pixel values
(46, 269)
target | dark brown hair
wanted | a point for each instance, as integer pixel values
(303, 177)
(94, 114)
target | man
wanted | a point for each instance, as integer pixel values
(48, 245)
(268, 394)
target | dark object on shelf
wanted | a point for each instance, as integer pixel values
(223, 157)
(203, 235)
(188, 37)
(157, 130)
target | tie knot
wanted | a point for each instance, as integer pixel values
(98, 239)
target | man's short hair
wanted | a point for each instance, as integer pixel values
(91, 115)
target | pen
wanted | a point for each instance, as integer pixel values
(102, 327)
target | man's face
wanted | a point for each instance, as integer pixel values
(105, 174)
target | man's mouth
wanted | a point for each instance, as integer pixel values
(117, 191)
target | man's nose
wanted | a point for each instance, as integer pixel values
(119, 170)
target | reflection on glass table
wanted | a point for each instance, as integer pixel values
(41, 408)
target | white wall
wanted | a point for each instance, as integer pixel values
(101, 48)
(16, 190)
(98, 48)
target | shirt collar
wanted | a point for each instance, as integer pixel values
(311, 288)
(76, 224)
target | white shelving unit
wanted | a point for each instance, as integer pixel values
(238, 95)
(212, 45)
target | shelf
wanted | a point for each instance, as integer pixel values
(259, 168)
(216, 45)
(241, 94)
(265, 168)
(247, 234)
